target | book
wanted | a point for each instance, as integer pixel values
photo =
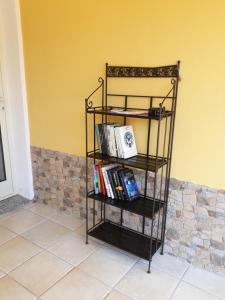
(95, 180)
(98, 178)
(129, 184)
(118, 144)
(111, 182)
(103, 189)
(100, 133)
(98, 138)
(106, 138)
(117, 184)
(106, 180)
(128, 112)
(125, 142)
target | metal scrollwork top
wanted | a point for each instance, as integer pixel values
(121, 71)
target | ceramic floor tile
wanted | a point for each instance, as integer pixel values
(29, 204)
(15, 252)
(21, 221)
(139, 285)
(67, 219)
(43, 210)
(107, 265)
(45, 234)
(187, 292)
(40, 272)
(72, 248)
(5, 235)
(114, 295)
(77, 286)
(11, 290)
(210, 282)
(170, 264)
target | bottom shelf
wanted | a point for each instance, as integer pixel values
(125, 239)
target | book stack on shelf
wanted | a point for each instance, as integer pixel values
(116, 140)
(115, 182)
(112, 180)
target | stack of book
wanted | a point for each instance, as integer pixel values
(116, 140)
(114, 182)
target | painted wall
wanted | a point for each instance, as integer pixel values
(15, 97)
(67, 42)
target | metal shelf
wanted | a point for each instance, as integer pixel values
(125, 239)
(107, 111)
(143, 206)
(140, 161)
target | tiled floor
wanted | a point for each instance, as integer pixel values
(43, 256)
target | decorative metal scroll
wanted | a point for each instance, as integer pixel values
(120, 71)
(89, 103)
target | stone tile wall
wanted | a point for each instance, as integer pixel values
(196, 214)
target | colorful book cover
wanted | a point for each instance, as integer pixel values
(98, 177)
(95, 180)
(103, 190)
(129, 184)
(117, 183)
(126, 141)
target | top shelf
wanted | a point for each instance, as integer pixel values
(108, 111)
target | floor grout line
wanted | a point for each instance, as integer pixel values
(203, 290)
(178, 283)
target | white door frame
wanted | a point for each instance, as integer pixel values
(6, 186)
(15, 97)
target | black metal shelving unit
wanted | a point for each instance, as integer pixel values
(153, 201)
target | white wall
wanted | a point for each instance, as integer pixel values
(16, 104)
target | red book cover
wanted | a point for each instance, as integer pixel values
(101, 179)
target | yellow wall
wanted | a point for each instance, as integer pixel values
(67, 42)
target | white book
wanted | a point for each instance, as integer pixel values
(106, 180)
(125, 136)
(113, 141)
(118, 144)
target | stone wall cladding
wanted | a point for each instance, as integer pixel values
(195, 219)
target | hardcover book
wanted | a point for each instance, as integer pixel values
(129, 184)
(125, 141)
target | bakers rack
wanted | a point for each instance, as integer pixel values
(155, 163)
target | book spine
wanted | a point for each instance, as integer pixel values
(95, 180)
(102, 138)
(118, 187)
(120, 154)
(114, 150)
(98, 137)
(103, 190)
(111, 140)
(112, 186)
(121, 177)
(106, 182)
(98, 178)
(106, 136)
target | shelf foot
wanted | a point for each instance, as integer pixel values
(149, 267)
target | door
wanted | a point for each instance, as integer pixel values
(6, 187)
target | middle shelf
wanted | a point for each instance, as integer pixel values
(143, 206)
(140, 161)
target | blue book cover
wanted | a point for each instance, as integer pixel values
(130, 184)
(95, 180)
